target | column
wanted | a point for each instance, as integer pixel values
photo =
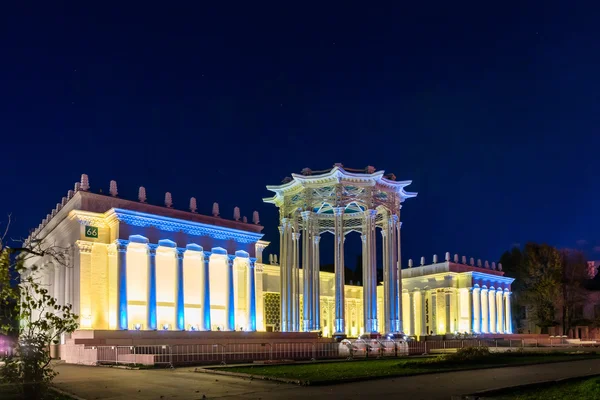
(122, 283)
(397, 282)
(500, 310)
(316, 281)
(68, 284)
(412, 320)
(340, 325)
(307, 273)
(229, 296)
(508, 318)
(151, 323)
(492, 308)
(251, 310)
(296, 283)
(390, 276)
(454, 319)
(369, 272)
(59, 273)
(485, 311)
(179, 305)
(424, 313)
(433, 305)
(477, 310)
(206, 285)
(470, 325)
(386, 280)
(260, 305)
(283, 275)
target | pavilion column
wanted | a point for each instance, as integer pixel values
(122, 283)
(390, 276)
(485, 311)
(424, 313)
(471, 312)
(412, 313)
(251, 309)
(447, 312)
(296, 283)
(68, 283)
(397, 282)
(507, 309)
(454, 317)
(500, 310)
(492, 308)
(229, 296)
(433, 326)
(340, 324)
(307, 274)
(206, 298)
(316, 282)
(369, 273)
(151, 323)
(477, 310)
(59, 284)
(179, 303)
(283, 275)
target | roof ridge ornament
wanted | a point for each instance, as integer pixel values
(168, 200)
(245, 220)
(255, 218)
(142, 194)
(193, 207)
(113, 189)
(215, 209)
(306, 171)
(370, 169)
(236, 213)
(85, 183)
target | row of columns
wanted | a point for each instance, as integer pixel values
(492, 310)
(151, 314)
(487, 311)
(290, 233)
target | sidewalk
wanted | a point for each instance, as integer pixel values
(117, 384)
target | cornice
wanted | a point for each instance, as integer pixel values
(136, 218)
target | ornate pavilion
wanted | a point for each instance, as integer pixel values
(133, 266)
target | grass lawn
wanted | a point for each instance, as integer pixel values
(585, 389)
(332, 372)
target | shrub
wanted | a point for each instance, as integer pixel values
(468, 354)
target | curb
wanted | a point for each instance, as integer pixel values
(64, 393)
(369, 378)
(250, 376)
(484, 394)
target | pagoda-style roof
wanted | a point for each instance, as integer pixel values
(350, 179)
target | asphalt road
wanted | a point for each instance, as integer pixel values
(93, 383)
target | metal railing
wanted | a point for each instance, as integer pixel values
(203, 354)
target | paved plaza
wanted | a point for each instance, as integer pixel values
(182, 384)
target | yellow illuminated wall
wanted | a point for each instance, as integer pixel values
(113, 288)
(240, 288)
(166, 265)
(193, 262)
(218, 291)
(137, 285)
(99, 287)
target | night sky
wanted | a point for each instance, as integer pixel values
(492, 112)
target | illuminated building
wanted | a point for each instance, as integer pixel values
(133, 266)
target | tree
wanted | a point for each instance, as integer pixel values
(41, 321)
(574, 268)
(512, 265)
(542, 274)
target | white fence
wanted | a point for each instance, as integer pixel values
(199, 354)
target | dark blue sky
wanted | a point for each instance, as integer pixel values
(492, 111)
